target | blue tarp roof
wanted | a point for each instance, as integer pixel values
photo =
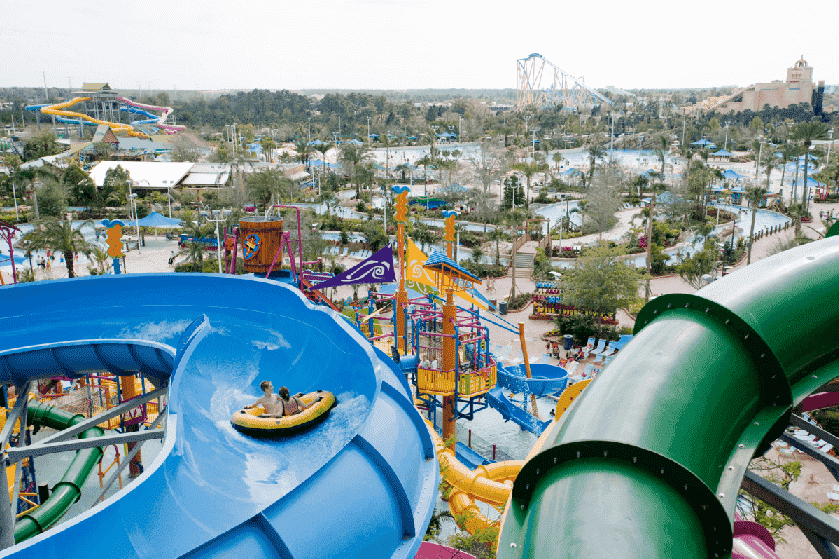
(702, 142)
(722, 153)
(438, 261)
(571, 171)
(355, 142)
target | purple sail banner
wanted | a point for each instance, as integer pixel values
(376, 269)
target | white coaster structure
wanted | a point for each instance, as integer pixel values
(560, 87)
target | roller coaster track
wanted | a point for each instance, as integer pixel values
(563, 88)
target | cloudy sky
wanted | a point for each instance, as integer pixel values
(408, 44)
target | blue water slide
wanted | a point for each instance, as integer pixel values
(361, 484)
(511, 412)
(153, 118)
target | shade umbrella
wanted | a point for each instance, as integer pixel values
(155, 219)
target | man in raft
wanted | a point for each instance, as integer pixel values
(278, 405)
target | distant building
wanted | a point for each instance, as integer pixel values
(798, 88)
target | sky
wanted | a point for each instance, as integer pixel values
(409, 44)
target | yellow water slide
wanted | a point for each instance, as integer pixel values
(58, 110)
(492, 483)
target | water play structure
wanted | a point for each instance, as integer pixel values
(102, 105)
(712, 378)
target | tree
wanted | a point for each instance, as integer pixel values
(595, 153)
(52, 200)
(530, 169)
(755, 197)
(58, 236)
(497, 235)
(601, 282)
(194, 250)
(80, 186)
(807, 132)
(656, 188)
(41, 145)
(114, 187)
(352, 156)
(701, 263)
(264, 185)
(601, 204)
(268, 146)
(303, 150)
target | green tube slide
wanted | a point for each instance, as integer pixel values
(68, 490)
(649, 459)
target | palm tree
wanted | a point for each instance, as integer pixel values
(661, 151)
(807, 132)
(595, 153)
(530, 169)
(754, 196)
(58, 236)
(353, 155)
(497, 234)
(194, 249)
(655, 189)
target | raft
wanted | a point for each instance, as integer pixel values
(249, 422)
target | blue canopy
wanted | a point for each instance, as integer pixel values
(571, 171)
(790, 167)
(702, 142)
(439, 261)
(355, 142)
(454, 187)
(722, 153)
(315, 142)
(318, 164)
(732, 174)
(813, 182)
(155, 219)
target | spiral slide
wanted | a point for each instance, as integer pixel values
(648, 460)
(361, 484)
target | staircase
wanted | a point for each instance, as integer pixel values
(524, 264)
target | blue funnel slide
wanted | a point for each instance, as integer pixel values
(361, 484)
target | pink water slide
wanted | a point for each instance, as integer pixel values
(169, 128)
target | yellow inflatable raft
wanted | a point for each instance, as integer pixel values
(249, 422)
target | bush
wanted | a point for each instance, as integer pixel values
(519, 301)
(580, 325)
(483, 270)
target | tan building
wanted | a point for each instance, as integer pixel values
(798, 88)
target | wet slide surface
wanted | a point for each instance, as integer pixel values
(361, 484)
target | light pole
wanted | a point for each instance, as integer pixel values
(829, 135)
(725, 147)
(133, 198)
(759, 153)
(310, 130)
(369, 139)
(218, 237)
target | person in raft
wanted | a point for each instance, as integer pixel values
(278, 405)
